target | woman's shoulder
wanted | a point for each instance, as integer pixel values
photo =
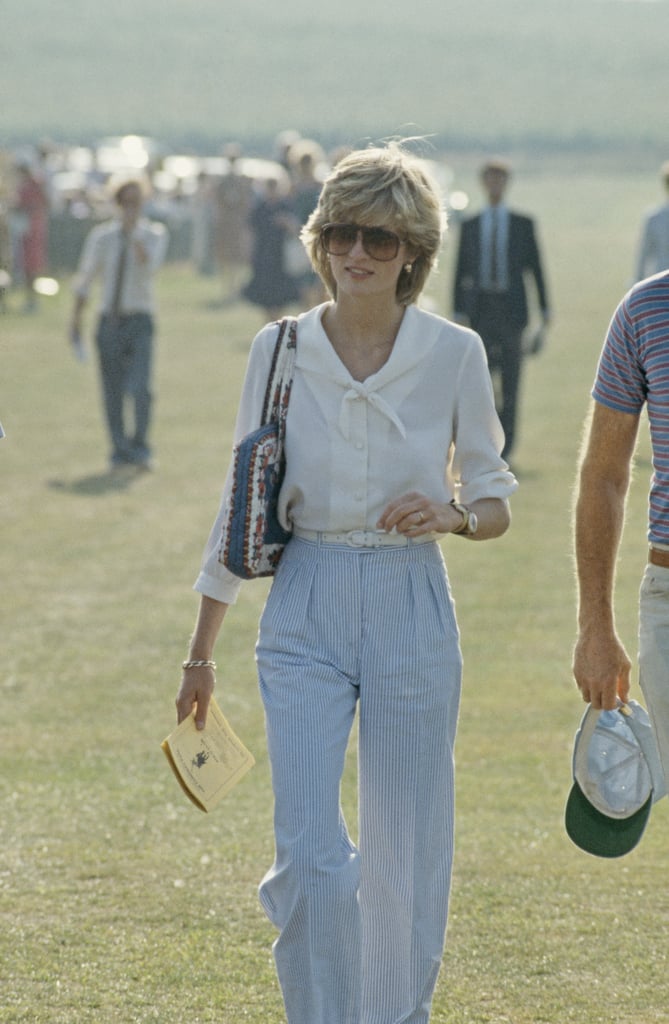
(261, 350)
(446, 330)
(265, 340)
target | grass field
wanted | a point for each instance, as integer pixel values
(119, 902)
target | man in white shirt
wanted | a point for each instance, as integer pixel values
(124, 253)
(653, 255)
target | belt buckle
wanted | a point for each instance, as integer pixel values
(357, 538)
(365, 538)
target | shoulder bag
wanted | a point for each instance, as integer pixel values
(253, 538)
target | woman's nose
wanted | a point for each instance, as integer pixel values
(358, 248)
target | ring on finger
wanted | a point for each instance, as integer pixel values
(421, 517)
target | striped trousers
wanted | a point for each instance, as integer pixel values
(361, 927)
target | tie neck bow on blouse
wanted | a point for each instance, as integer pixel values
(361, 390)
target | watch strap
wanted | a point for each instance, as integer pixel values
(464, 512)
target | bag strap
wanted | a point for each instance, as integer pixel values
(280, 379)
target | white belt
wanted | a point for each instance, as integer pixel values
(363, 538)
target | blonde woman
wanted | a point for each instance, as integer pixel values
(392, 443)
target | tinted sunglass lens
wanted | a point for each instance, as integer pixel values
(339, 239)
(380, 244)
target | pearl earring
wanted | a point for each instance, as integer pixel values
(408, 267)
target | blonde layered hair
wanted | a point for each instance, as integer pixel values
(382, 187)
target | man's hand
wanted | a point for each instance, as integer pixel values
(141, 252)
(601, 669)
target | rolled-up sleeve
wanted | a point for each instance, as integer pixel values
(478, 469)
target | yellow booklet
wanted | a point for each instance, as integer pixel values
(207, 762)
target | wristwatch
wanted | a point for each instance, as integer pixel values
(470, 521)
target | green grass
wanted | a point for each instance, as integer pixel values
(121, 903)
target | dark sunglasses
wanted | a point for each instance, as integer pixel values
(379, 243)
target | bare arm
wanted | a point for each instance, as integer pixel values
(601, 665)
(197, 684)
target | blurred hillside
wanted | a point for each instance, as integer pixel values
(542, 74)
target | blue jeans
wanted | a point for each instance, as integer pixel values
(125, 349)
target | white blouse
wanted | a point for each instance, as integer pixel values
(425, 422)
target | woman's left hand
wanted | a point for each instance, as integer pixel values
(413, 514)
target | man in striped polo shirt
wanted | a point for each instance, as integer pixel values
(633, 371)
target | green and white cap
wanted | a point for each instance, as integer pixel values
(617, 778)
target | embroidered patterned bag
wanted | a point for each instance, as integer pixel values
(253, 538)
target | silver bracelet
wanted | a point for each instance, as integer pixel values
(199, 664)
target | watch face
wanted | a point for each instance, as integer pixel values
(473, 523)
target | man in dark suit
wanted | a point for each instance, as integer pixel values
(498, 249)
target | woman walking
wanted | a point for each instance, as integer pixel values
(392, 443)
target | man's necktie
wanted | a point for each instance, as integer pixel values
(494, 255)
(118, 281)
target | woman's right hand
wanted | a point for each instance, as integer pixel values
(197, 682)
(197, 686)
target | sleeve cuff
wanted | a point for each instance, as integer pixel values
(497, 484)
(224, 589)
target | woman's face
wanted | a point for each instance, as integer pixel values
(357, 272)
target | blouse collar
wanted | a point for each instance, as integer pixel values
(416, 337)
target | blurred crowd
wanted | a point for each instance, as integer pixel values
(235, 216)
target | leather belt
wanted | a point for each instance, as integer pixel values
(363, 538)
(658, 557)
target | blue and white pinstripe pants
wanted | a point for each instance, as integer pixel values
(361, 928)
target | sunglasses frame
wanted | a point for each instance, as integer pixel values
(362, 230)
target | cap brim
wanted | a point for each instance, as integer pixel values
(598, 834)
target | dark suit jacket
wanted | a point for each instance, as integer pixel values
(522, 260)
